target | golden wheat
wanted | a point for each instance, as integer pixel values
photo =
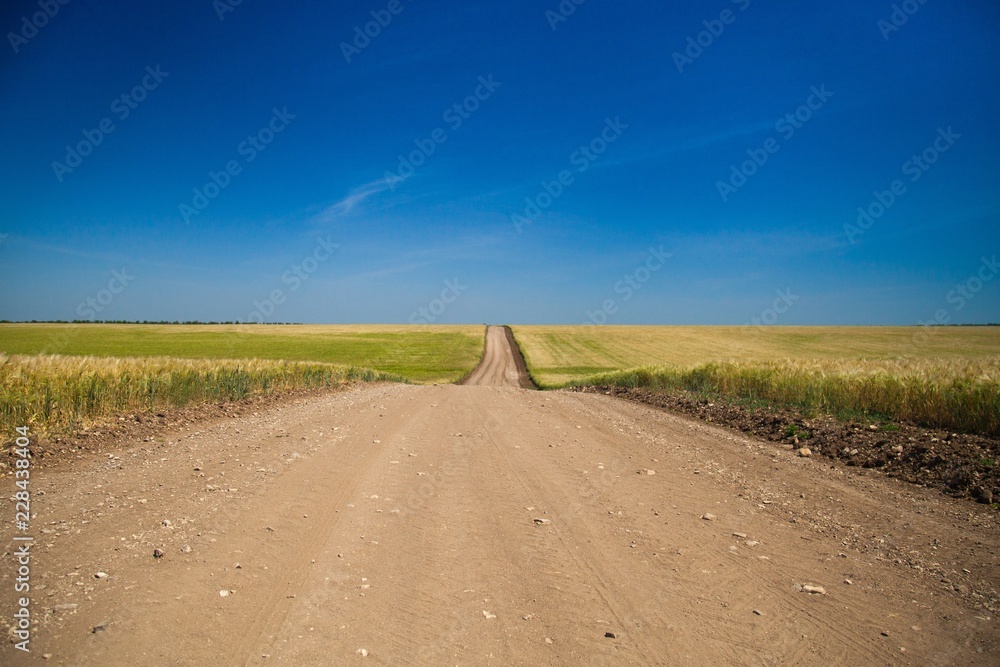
(50, 392)
(947, 393)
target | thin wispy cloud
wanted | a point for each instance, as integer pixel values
(538, 149)
(62, 250)
(353, 199)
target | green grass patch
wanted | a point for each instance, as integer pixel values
(420, 354)
(793, 431)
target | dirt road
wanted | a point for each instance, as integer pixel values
(502, 364)
(489, 525)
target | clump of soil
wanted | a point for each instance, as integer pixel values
(959, 464)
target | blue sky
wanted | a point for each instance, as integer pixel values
(652, 114)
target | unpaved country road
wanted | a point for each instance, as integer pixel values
(484, 525)
(502, 364)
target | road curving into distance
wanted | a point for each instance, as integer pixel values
(487, 525)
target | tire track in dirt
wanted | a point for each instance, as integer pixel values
(570, 531)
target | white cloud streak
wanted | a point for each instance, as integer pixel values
(353, 199)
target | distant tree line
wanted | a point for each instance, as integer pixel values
(139, 322)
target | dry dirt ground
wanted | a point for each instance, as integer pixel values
(963, 465)
(492, 525)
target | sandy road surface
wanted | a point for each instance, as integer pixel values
(502, 365)
(482, 525)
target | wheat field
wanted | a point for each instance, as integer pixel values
(955, 395)
(55, 393)
(419, 353)
(939, 377)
